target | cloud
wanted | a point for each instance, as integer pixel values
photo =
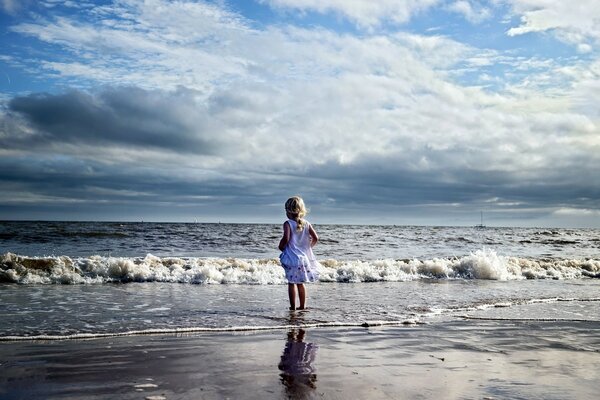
(584, 48)
(123, 116)
(11, 7)
(574, 23)
(201, 107)
(472, 11)
(152, 44)
(364, 13)
(577, 212)
(380, 142)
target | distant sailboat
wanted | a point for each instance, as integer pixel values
(480, 225)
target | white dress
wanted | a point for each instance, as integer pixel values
(297, 259)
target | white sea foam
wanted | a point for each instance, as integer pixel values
(482, 264)
(440, 311)
(202, 329)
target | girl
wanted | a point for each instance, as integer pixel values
(297, 259)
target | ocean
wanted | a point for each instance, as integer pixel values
(61, 280)
(161, 311)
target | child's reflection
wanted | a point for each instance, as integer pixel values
(298, 374)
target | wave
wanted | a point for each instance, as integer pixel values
(61, 234)
(513, 319)
(414, 319)
(482, 264)
(202, 329)
(504, 304)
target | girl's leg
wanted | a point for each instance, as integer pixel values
(302, 295)
(292, 295)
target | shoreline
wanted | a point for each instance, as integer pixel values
(200, 330)
(448, 359)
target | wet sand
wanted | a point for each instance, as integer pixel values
(454, 359)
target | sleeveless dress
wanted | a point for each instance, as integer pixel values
(297, 259)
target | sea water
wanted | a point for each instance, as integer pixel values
(61, 280)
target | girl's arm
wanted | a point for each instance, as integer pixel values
(313, 236)
(287, 232)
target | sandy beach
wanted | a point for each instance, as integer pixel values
(453, 359)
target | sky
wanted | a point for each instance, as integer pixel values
(417, 112)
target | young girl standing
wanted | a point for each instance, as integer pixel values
(297, 257)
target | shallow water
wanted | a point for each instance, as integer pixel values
(227, 277)
(64, 311)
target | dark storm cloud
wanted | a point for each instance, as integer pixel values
(69, 188)
(125, 116)
(55, 182)
(72, 178)
(384, 182)
(76, 188)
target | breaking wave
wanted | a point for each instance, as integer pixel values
(482, 264)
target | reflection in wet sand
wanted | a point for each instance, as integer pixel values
(298, 373)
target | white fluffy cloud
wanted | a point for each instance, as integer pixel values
(152, 43)
(574, 22)
(341, 97)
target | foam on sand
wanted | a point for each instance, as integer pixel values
(202, 329)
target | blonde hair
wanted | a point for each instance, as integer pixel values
(295, 207)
